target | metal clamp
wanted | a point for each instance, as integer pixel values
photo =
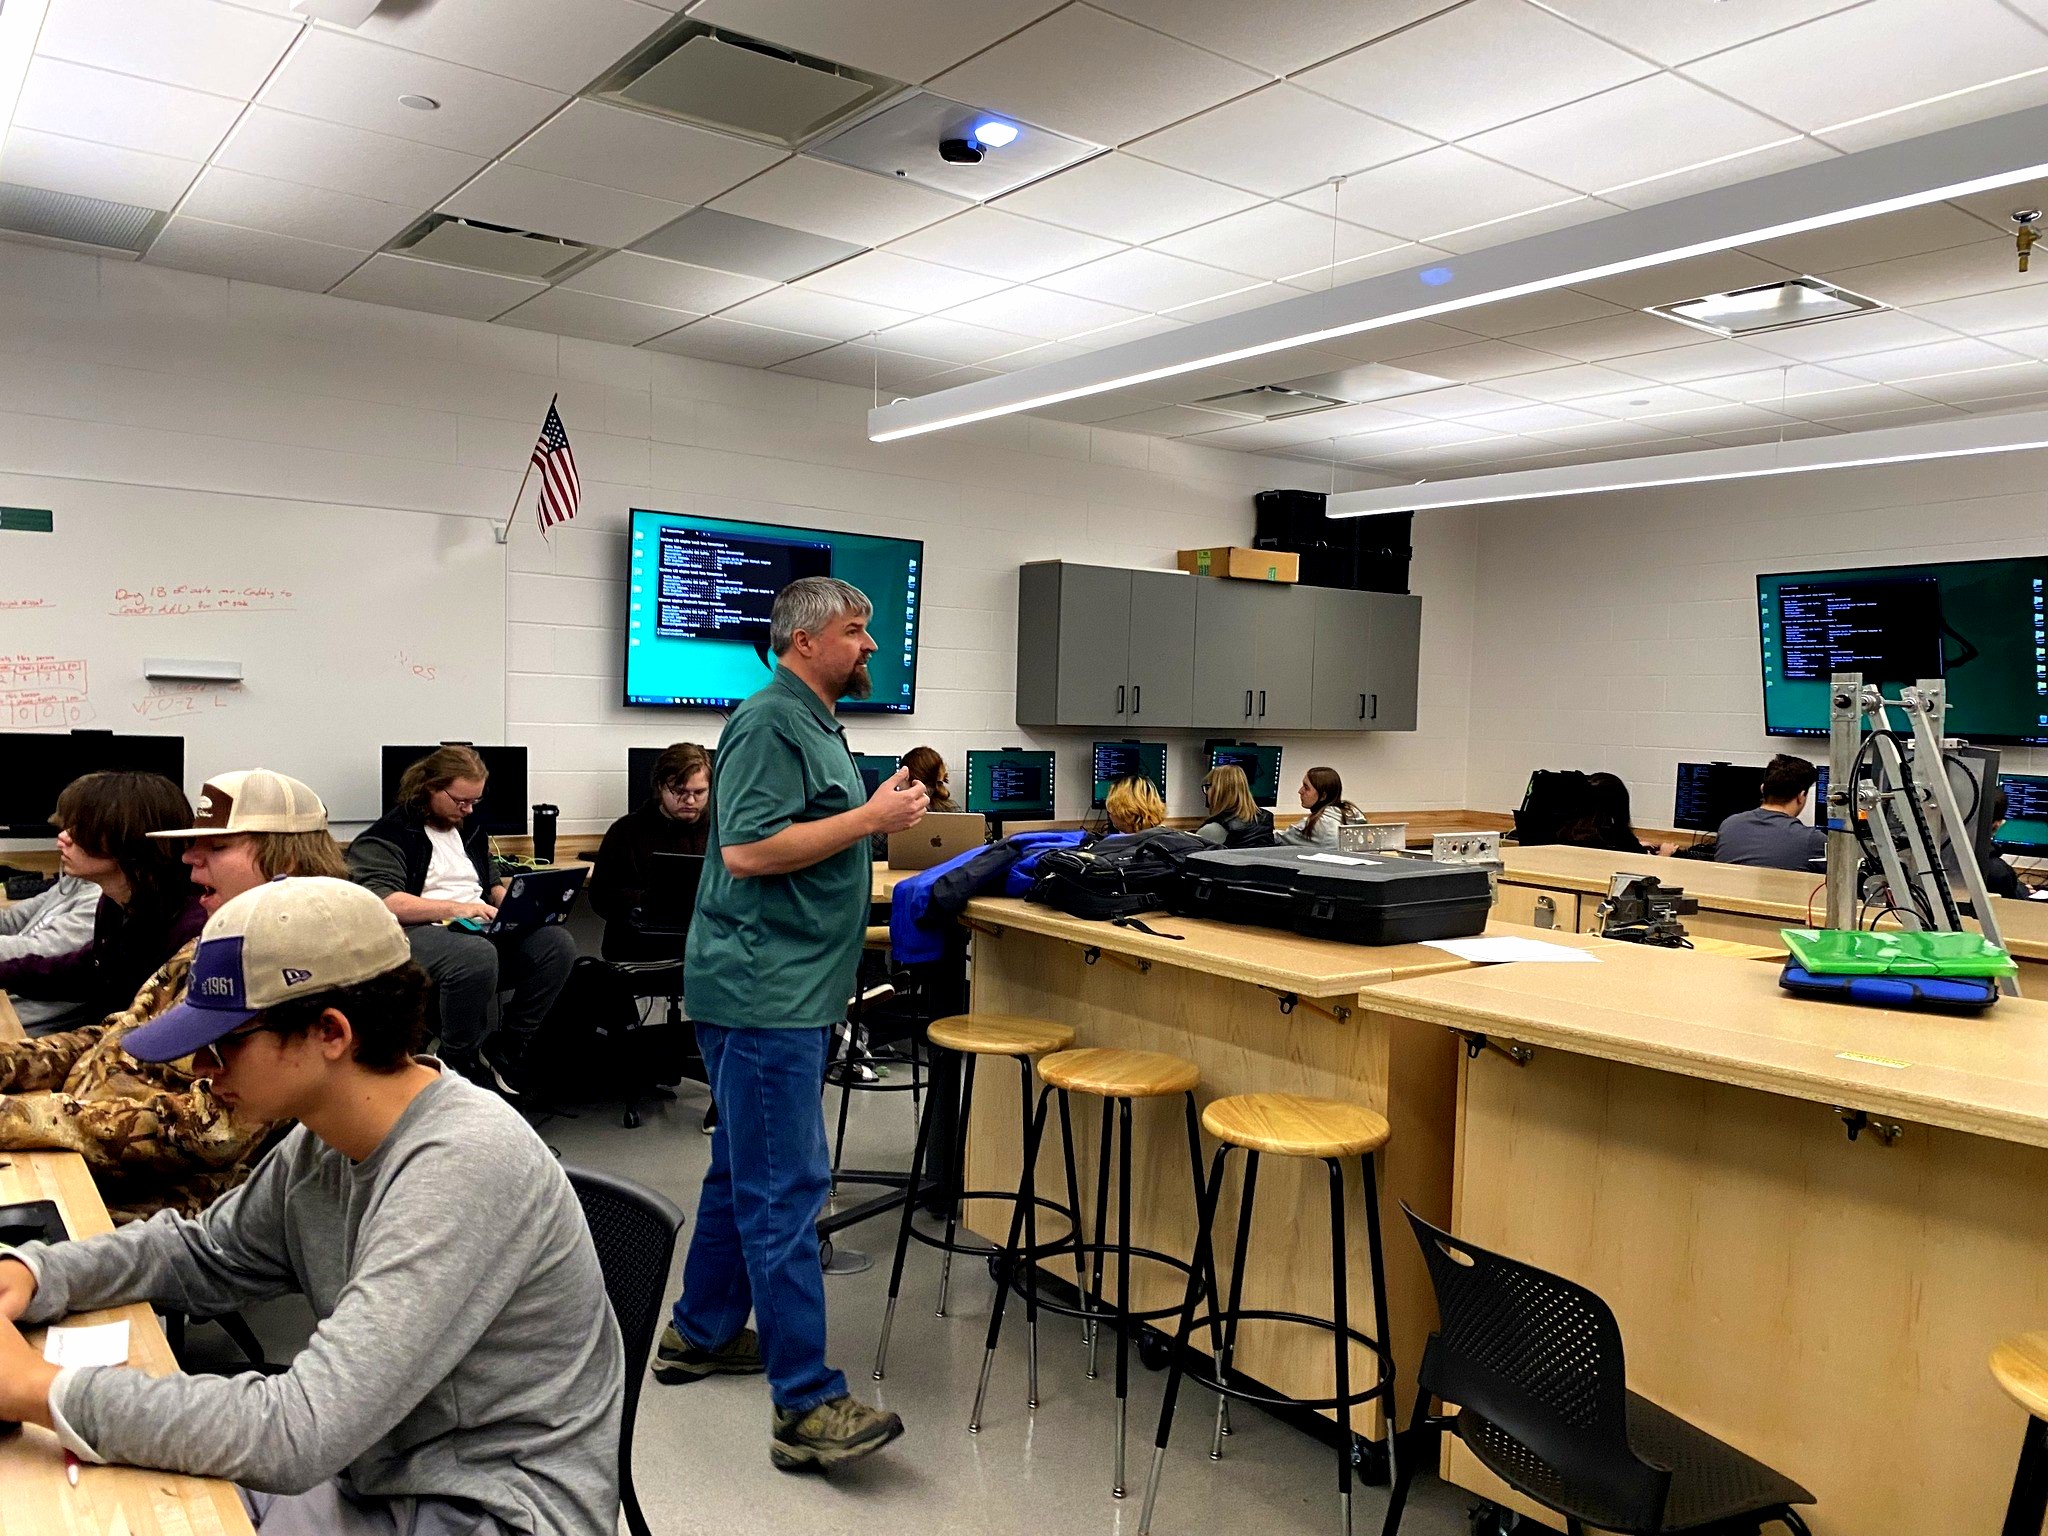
(975, 926)
(1520, 1055)
(1094, 952)
(1289, 1001)
(1856, 1122)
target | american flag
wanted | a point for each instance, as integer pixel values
(560, 489)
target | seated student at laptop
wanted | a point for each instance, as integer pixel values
(2000, 878)
(432, 865)
(676, 818)
(926, 767)
(1133, 804)
(1235, 819)
(56, 922)
(1605, 820)
(1772, 836)
(147, 907)
(465, 1375)
(154, 1135)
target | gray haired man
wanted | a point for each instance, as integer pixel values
(768, 969)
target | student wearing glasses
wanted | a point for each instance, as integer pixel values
(432, 865)
(676, 818)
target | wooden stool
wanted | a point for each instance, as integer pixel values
(2020, 1365)
(973, 1036)
(1117, 1077)
(1287, 1125)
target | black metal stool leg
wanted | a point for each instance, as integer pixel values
(2030, 1483)
(1340, 1300)
(1244, 1238)
(917, 1160)
(1382, 1328)
(845, 1103)
(1204, 1230)
(1027, 1199)
(1034, 1126)
(1400, 1473)
(965, 1124)
(1074, 1205)
(1123, 1287)
(1101, 1248)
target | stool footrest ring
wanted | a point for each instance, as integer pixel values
(1061, 1247)
(980, 1247)
(1201, 1370)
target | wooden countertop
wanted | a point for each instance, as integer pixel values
(1788, 896)
(1263, 957)
(1727, 1020)
(35, 1495)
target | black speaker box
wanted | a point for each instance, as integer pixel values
(1366, 554)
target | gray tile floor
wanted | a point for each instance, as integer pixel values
(701, 1459)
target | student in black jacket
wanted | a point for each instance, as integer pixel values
(1606, 820)
(676, 818)
(1235, 819)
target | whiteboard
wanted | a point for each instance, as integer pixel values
(354, 626)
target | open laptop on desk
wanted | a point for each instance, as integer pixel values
(670, 900)
(533, 899)
(940, 836)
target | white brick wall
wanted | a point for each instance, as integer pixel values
(1619, 632)
(119, 372)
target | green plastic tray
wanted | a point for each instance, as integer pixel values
(1896, 952)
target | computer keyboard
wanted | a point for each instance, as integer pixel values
(24, 883)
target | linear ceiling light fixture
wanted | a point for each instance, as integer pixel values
(1956, 162)
(1963, 438)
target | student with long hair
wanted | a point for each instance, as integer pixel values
(1605, 820)
(926, 767)
(1322, 796)
(1133, 804)
(1235, 819)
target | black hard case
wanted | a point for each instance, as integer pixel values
(1374, 900)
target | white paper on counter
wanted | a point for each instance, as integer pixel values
(1498, 951)
(100, 1344)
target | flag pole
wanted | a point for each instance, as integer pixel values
(505, 533)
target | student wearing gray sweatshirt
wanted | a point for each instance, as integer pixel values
(56, 922)
(466, 1373)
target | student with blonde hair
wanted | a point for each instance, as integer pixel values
(1133, 804)
(1235, 819)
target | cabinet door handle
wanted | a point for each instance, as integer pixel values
(1119, 698)
(1262, 703)
(1137, 695)
(1247, 703)
(1375, 708)
(1361, 706)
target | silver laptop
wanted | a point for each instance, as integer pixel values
(942, 835)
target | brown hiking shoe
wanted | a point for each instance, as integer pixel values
(677, 1360)
(831, 1434)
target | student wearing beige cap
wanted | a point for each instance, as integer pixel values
(156, 1135)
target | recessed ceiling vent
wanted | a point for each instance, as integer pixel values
(1767, 307)
(81, 221)
(1270, 402)
(723, 79)
(485, 247)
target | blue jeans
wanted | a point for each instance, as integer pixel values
(755, 1245)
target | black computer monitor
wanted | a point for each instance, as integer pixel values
(1709, 793)
(2026, 816)
(40, 763)
(1261, 767)
(504, 810)
(1122, 759)
(1820, 797)
(876, 769)
(1010, 783)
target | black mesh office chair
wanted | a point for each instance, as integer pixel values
(1535, 1364)
(634, 1229)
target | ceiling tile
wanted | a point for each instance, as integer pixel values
(1123, 198)
(1909, 232)
(704, 237)
(1424, 434)
(718, 340)
(1562, 385)
(1672, 34)
(195, 245)
(1703, 360)
(1646, 402)
(1941, 357)
(1645, 128)
(107, 108)
(348, 79)
(1852, 335)
(1987, 314)
(58, 164)
(411, 284)
(639, 152)
(814, 314)
(1405, 339)
(1721, 171)
(1276, 240)
(1981, 267)
(999, 244)
(290, 208)
(920, 287)
(267, 142)
(1475, 67)
(664, 284)
(1594, 341)
(1441, 189)
(1278, 140)
(837, 202)
(1454, 403)
(1173, 421)
(953, 340)
(1033, 311)
(1479, 361)
(1258, 437)
(903, 39)
(1534, 312)
(1874, 57)
(1279, 36)
(1395, 258)
(1984, 384)
(1786, 383)
(1082, 71)
(1234, 303)
(1358, 382)
(1534, 418)
(594, 317)
(520, 198)
(1676, 281)
(1995, 207)
(193, 43)
(1605, 434)
(1148, 280)
(560, 44)
(867, 367)
(1843, 404)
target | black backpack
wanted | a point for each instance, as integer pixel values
(594, 1045)
(1116, 876)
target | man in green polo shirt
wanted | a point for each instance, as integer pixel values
(768, 970)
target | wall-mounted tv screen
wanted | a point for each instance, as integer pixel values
(1979, 625)
(699, 591)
